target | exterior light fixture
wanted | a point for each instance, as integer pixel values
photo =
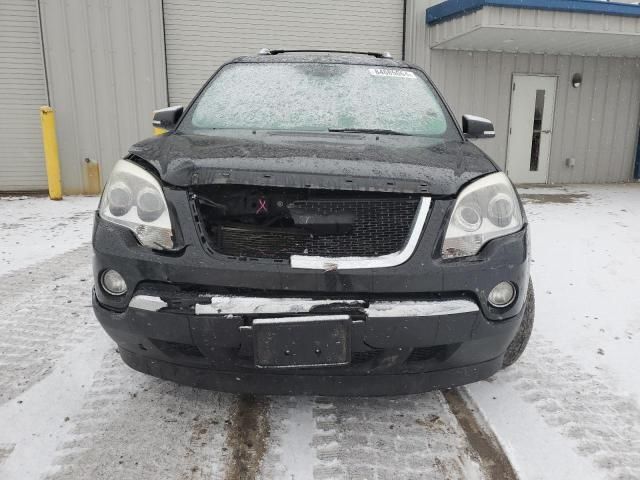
(502, 295)
(576, 81)
(113, 283)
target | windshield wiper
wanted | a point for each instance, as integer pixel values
(381, 131)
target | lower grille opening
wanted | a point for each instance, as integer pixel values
(275, 223)
(425, 353)
(364, 357)
(174, 349)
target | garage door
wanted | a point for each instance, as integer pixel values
(201, 35)
(22, 91)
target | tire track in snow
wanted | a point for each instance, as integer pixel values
(46, 310)
(17, 283)
(411, 437)
(39, 421)
(246, 437)
(604, 425)
(133, 426)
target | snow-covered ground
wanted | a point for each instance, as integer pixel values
(33, 229)
(69, 408)
(570, 407)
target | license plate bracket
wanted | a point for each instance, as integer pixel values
(295, 342)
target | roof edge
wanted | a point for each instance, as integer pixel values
(454, 8)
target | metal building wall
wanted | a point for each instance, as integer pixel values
(201, 35)
(597, 124)
(23, 90)
(417, 35)
(106, 73)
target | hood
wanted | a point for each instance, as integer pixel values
(338, 161)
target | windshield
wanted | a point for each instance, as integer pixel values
(320, 97)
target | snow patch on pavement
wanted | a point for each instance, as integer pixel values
(45, 312)
(40, 419)
(536, 450)
(601, 425)
(33, 229)
(291, 454)
(5, 451)
(132, 426)
(577, 382)
(586, 264)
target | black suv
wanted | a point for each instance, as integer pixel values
(314, 222)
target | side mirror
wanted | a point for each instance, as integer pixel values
(477, 127)
(167, 118)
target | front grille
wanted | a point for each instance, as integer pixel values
(375, 226)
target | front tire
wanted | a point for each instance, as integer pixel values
(519, 342)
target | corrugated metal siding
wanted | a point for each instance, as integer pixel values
(202, 35)
(106, 72)
(22, 91)
(596, 124)
(417, 48)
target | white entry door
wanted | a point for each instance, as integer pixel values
(531, 127)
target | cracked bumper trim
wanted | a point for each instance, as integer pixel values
(240, 305)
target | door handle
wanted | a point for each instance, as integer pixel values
(546, 131)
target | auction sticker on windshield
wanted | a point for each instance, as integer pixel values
(391, 72)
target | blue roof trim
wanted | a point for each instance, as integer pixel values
(455, 8)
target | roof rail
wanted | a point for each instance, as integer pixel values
(266, 51)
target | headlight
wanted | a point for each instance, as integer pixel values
(133, 198)
(486, 209)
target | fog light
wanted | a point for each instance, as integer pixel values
(113, 283)
(502, 295)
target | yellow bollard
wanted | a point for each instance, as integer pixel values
(51, 159)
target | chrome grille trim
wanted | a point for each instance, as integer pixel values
(383, 261)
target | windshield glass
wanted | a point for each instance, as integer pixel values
(319, 97)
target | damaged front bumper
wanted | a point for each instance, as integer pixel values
(194, 316)
(273, 345)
